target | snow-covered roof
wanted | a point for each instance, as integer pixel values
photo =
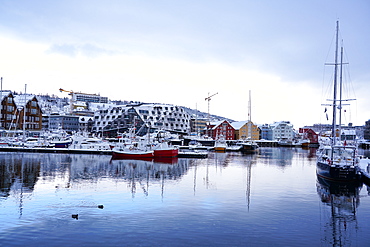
(4, 93)
(239, 124)
(348, 132)
(22, 99)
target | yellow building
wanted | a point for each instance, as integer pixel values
(246, 130)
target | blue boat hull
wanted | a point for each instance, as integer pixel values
(338, 173)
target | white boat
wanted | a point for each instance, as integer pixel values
(220, 144)
(82, 142)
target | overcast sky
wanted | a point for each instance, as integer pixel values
(178, 52)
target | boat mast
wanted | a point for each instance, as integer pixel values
(340, 90)
(335, 87)
(249, 117)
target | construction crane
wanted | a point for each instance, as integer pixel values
(209, 99)
(69, 93)
(62, 90)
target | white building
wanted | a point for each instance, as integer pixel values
(282, 130)
(158, 116)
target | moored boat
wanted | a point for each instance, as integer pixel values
(131, 152)
(337, 161)
(220, 144)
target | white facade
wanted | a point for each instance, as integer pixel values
(282, 130)
(160, 116)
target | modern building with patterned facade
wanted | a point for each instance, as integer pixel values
(114, 119)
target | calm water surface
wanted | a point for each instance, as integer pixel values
(271, 198)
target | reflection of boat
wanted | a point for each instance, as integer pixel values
(343, 199)
(338, 160)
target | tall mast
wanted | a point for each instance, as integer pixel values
(335, 86)
(249, 107)
(249, 117)
(340, 89)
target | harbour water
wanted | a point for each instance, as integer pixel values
(271, 198)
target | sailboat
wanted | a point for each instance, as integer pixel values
(337, 160)
(249, 145)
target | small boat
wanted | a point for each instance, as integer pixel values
(162, 149)
(131, 152)
(233, 148)
(220, 144)
(249, 146)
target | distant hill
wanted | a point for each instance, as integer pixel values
(199, 114)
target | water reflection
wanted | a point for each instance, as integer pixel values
(343, 200)
(19, 172)
(280, 156)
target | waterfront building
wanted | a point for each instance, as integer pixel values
(246, 130)
(112, 119)
(93, 98)
(265, 132)
(69, 123)
(310, 134)
(29, 113)
(197, 125)
(220, 128)
(8, 110)
(282, 130)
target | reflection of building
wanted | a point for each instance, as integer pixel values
(18, 172)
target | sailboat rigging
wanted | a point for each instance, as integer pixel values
(337, 161)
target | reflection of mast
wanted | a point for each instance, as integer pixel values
(343, 199)
(195, 177)
(21, 194)
(249, 176)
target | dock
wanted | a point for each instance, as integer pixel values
(55, 150)
(365, 170)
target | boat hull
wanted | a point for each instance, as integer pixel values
(338, 173)
(220, 149)
(132, 155)
(249, 148)
(166, 153)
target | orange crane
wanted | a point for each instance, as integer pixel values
(62, 90)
